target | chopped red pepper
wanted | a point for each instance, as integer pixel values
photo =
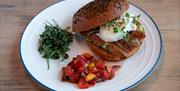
(86, 71)
(83, 84)
(100, 65)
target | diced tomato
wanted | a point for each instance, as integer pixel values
(67, 74)
(94, 70)
(92, 82)
(75, 78)
(78, 62)
(100, 65)
(86, 71)
(81, 69)
(87, 56)
(82, 58)
(105, 75)
(83, 84)
(68, 71)
(71, 63)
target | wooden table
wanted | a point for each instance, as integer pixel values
(15, 15)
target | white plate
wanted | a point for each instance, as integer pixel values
(134, 70)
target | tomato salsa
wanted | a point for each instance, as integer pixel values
(86, 71)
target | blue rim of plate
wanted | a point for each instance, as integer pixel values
(133, 85)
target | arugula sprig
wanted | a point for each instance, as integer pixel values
(54, 42)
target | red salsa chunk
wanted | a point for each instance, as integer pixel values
(86, 71)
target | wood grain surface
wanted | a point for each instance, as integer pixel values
(15, 15)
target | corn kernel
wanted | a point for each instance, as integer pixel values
(90, 76)
(91, 65)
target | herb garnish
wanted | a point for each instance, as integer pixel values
(127, 15)
(136, 18)
(123, 28)
(137, 23)
(126, 37)
(54, 42)
(105, 46)
(115, 29)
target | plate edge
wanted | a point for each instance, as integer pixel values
(20, 54)
(130, 87)
(161, 53)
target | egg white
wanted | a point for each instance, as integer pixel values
(108, 34)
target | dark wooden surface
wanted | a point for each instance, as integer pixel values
(15, 15)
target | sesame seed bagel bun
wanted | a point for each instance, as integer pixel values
(90, 17)
(97, 13)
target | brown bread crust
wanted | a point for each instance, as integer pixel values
(97, 13)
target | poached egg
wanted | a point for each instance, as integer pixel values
(119, 29)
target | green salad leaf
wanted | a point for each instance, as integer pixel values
(54, 42)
